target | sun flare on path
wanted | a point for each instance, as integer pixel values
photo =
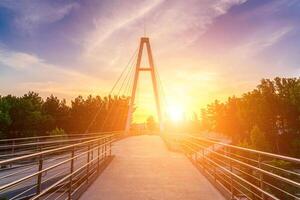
(175, 112)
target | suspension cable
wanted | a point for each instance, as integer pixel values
(161, 88)
(111, 91)
(111, 108)
(127, 85)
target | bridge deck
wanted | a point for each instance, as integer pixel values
(144, 169)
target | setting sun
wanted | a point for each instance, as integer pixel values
(175, 113)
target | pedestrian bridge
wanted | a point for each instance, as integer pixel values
(143, 168)
(114, 165)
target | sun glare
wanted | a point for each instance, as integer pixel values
(175, 113)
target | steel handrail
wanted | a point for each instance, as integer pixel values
(257, 162)
(101, 144)
(257, 179)
(256, 168)
(3, 187)
(262, 163)
(61, 180)
(282, 157)
(50, 151)
(214, 163)
(239, 170)
(57, 136)
(241, 179)
(47, 142)
(252, 160)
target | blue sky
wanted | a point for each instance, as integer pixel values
(212, 48)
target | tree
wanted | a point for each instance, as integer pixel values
(5, 119)
(30, 115)
(258, 139)
(273, 107)
(151, 124)
(57, 111)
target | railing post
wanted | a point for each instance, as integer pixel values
(102, 149)
(92, 154)
(13, 150)
(110, 141)
(88, 164)
(71, 172)
(231, 180)
(13, 147)
(37, 145)
(105, 148)
(98, 157)
(39, 177)
(215, 170)
(203, 159)
(261, 182)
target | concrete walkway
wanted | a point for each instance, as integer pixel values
(144, 169)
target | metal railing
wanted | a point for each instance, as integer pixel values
(22, 146)
(58, 173)
(15, 141)
(242, 173)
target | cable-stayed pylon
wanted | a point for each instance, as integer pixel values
(144, 42)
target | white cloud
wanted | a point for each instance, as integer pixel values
(171, 25)
(18, 60)
(223, 6)
(30, 72)
(105, 27)
(261, 40)
(30, 15)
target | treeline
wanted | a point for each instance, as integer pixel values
(267, 118)
(31, 115)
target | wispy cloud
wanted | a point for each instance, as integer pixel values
(41, 76)
(18, 60)
(260, 41)
(106, 27)
(223, 6)
(170, 24)
(29, 15)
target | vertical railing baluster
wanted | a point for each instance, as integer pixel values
(98, 157)
(13, 147)
(39, 177)
(261, 182)
(102, 148)
(231, 178)
(110, 141)
(92, 156)
(215, 170)
(13, 150)
(88, 164)
(203, 159)
(105, 148)
(71, 172)
(37, 144)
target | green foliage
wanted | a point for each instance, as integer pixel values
(258, 139)
(30, 115)
(57, 131)
(5, 119)
(295, 147)
(267, 118)
(151, 124)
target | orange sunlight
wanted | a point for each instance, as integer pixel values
(175, 112)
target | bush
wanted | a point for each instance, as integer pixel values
(57, 131)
